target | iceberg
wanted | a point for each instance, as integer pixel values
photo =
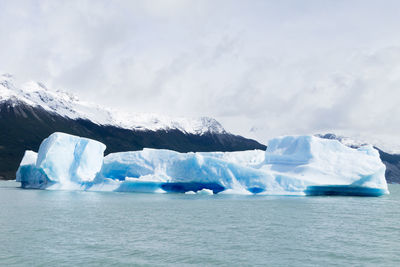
(291, 165)
(68, 160)
(331, 167)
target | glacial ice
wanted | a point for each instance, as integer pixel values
(325, 161)
(28, 175)
(291, 165)
(66, 159)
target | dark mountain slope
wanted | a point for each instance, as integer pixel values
(392, 162)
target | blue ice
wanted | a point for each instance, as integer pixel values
(291, 165)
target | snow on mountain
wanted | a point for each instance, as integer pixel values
(68, 105)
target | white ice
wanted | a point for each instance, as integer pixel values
(325, 162)
(290, 165)
(67, 159)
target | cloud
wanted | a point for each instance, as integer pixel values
(277, 67)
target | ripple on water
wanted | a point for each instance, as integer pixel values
(92, 228)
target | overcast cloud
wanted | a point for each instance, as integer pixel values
(262, 68)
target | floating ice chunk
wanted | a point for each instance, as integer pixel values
(205, 192)
(291, 165)
(66, 158)
(326, 162)
(28, 174)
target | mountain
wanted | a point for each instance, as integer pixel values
(30, 112)
(392, 161)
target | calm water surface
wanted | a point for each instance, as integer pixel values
(56, 228)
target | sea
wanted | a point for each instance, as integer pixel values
(76, 228)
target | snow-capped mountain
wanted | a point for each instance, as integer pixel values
(30, 112)
(69, 106)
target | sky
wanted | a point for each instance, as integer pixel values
(261, 68)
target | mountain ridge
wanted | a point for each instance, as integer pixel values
(68, 105)
(28, 116)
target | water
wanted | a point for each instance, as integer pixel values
(88, 228)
